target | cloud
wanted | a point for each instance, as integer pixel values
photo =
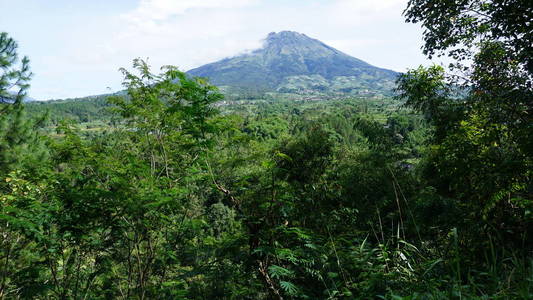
(152, 11)
(358, 12)
(183, 32)
(370, 6)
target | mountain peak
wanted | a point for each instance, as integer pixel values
(285, 34)
(285, 38)
(296, 45)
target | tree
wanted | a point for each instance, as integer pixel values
(19, 141)
(14, 78)
(21, 154)
(483, 149)
(166, 109)
(456, 27)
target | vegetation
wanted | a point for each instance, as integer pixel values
(163, 193)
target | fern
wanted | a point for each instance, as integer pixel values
(289, 288)
(279, 272)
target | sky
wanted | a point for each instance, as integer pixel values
(76, 47)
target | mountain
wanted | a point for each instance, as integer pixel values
(29, 99)
(291, 62)
(9, 98)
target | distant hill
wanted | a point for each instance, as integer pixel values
(291, 62)
(10, 96)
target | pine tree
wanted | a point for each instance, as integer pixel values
(20, 142)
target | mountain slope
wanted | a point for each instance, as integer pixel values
(293, 62)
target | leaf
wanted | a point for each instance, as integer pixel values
(278, 272)
(289, 288)
(431, 266)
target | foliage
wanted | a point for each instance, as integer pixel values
(162, 192)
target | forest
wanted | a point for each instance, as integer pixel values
(161, 192)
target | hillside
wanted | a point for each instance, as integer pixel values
(291, 62)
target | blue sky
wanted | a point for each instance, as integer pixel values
(77, 46)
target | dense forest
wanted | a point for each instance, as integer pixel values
(162, 192)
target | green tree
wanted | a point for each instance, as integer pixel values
(14, 77)
(22, 153)
(482, 152)
(19, 140)
(456, 27)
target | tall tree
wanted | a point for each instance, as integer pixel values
(456, 27)
(21, 153)
(15, 75)
(19, 141)
(483, 152)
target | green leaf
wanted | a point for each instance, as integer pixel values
(289, 288)
(278, 272)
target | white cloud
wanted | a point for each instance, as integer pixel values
(187, 33)
(151, 11)
(365, 6)
(358, 12)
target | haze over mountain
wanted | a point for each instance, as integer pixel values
(292, 62)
